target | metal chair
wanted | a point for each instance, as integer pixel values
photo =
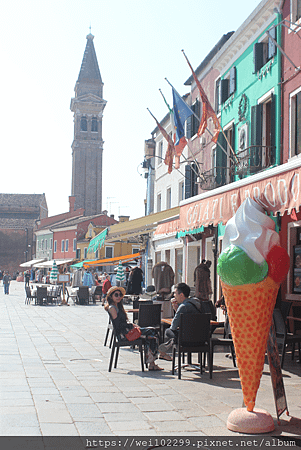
(83, 295)
(123, 343)
(41, 295)
(109, 328)
(150, 316)
(96, 292)
(283, 337)
(193, 337)
(29, 295)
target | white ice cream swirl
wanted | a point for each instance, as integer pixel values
(251, 230)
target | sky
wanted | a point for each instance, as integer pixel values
(138, 43)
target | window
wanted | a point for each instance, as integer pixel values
(74, 245)
(67, 245)
(217, 103)
(295, 105)
(96, 254)
(160, 151)
(90, 232)
(85, 252)
(227, 85)
(135, 250)
(181, 191)
(46, 244)
(295, 10)
(94, 126)
(193, 122)
(109, 252)
(62, 245)
(191, 188)
(264, 50)
(222, 160)
(78, 253)
(168, 198)
(51, 243)
(262, 151)
(83, 124)
(42, 244)
(55, 247)
(158, 202)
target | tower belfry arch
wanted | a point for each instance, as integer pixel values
(87, 146)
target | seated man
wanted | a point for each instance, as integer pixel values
(182, 305)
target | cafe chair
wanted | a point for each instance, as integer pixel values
(109, 328)
(42, 296)
(83, 295)
(29, 295)
(117, 343)
(150, 316)
(219, 341)
(284, 338)
(193, 337)
(96, 292)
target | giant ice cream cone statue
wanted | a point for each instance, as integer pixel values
(251, 267)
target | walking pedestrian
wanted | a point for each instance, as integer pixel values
(6, 282)
(27, 278)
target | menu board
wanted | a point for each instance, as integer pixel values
(63, 278)
(276, 374)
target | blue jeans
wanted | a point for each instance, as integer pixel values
(6, 288)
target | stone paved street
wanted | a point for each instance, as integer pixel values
(55, 381)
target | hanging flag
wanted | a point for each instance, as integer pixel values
(293, 214)
(181, 113)
(170, 152)
(208, 111)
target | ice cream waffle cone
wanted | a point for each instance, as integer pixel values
(250, 309)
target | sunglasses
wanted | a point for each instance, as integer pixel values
(117, 294)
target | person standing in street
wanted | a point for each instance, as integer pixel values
(27, 278)
(6, 282)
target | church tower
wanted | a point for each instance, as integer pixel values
(87, 107)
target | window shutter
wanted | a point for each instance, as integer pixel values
(224, 90)
(217, 95)
(195, 122)
(194, 186)
(258, 56)
(232, 81)
(188, 181)
(256, 137)
(272, 49)
(273, 129)
(189, 127)
(221, 160)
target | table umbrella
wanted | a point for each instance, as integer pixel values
(54, 273)
(120, 276)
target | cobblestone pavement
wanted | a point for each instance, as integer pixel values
(55, 381)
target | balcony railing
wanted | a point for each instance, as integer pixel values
(251, 160)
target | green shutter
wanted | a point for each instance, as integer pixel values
(188, 181)
(232, 80)
(221, 160)
(272, 49)
(258, 56)
(256, 138)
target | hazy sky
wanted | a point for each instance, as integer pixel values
(138, 43)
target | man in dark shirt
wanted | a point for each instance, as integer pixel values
(6, 282)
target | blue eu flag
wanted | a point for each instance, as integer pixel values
(181, 113)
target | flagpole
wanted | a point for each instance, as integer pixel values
(234, 154)
(192, 168)
(197, 117)
(194, 159)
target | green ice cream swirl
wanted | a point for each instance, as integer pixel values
(236, 268)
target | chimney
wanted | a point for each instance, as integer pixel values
(112, 216)
(71, 203)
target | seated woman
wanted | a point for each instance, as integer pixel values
(114, 306)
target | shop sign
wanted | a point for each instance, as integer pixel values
(276, 194)
(168, 227)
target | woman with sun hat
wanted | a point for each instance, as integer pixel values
(114, 306)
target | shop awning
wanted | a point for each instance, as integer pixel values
(49, 264)
(98, 241)
(112, 261)
(168, 227)
(32, 262)
(277, 190)
(143, 225)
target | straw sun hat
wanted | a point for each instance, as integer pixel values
(116, 288)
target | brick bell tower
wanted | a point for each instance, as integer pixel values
(87, 147)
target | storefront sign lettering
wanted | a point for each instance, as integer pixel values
(276, 194)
